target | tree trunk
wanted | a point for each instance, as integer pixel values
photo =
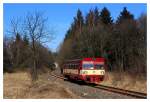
(34, 69)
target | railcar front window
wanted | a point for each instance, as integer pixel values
(99, 66)
(88, 66)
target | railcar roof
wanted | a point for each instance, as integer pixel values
(86, 59)
(73, 60)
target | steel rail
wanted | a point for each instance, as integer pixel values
(122, 91)
(115, 90)
(57, 76)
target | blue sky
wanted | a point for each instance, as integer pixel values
(60, 16)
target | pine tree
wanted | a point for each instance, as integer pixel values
(16, 50)
(105, 16)
(96, 16)
(79, 19)
(25, 40)
(126, 35)
(124, 15)
(18, 37)
(90, 19)
(6, 55)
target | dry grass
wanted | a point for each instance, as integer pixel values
(126, 81)
(15, 84)
(18, 85)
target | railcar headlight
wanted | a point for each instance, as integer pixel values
(102, 72)
(85, 72)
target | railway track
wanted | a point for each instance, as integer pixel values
(115, 90)
(123, 91)
(57, 76)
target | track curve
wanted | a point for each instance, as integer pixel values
(113, 89)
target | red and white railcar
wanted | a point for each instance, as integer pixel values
(90, 70)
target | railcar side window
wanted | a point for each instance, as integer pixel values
(74, 66)
(70, 66)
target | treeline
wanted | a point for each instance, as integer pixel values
(25, 48)
(122, 42)
(18, 54)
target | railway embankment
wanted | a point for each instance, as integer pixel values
(126, 81)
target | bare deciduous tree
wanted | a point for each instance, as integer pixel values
(36, 29)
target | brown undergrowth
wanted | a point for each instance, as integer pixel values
(18, 85)
(126, 81)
